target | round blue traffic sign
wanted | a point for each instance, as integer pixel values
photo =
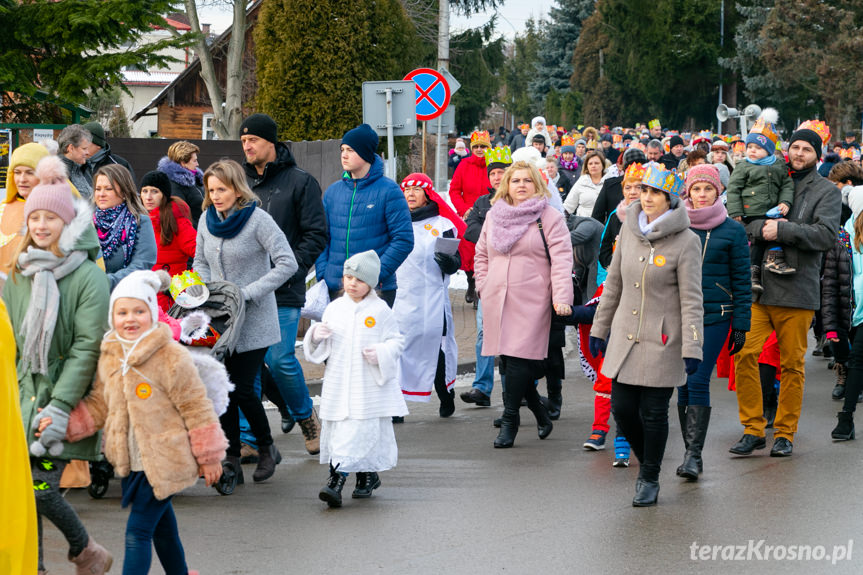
(432, 92)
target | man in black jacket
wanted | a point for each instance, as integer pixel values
(293, 199)
(100, 153)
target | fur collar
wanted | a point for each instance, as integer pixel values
(178, 174)
(81, 223)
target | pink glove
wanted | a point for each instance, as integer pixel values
(322, 332)
(371, 355)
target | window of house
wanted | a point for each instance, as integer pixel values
(207, 131)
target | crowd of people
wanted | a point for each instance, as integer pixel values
(669, 253)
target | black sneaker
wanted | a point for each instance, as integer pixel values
(473, 395)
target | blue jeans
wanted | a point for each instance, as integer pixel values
(696, 390)
(286, 370)
(484, 380)
(151, 524)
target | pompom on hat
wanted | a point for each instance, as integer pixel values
(54, 198)
(365, 266)
(763, 133)
(141, 285)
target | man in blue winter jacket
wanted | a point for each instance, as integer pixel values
(365, 211)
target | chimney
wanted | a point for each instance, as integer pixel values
(205, 28)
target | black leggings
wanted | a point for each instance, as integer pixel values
(242, 369)
(641, 414)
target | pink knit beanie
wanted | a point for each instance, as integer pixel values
(703, 173)
(56, 198)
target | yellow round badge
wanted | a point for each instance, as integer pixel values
(659, 261)
(428, 226)
(143, 390)
(435, 233)
(370, 321)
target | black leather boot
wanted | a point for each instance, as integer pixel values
(646, 492)
(544, 424)
(446, 397)
(232, 475)
(697, 420)
(268, 458)
(555, 398)
(366, 483)
(331, 493)
(681, 416)
(509, 421)
(470, 294)
(844, 429)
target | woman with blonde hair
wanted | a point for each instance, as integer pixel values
(236, 242)
(122, 224)
(187, 180)
(523, 270)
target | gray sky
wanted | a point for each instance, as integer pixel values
(513, 15)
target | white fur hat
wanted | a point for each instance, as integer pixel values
(142, 285)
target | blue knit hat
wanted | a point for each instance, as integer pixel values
(364, 141)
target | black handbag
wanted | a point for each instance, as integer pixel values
(576, 291)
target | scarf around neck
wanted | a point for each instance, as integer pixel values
(767, 160)
(46, 269)
(117, 227)
(571, 165)
(512, 222)
(706, 218)
(231, 225)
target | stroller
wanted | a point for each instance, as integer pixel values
(205, 317)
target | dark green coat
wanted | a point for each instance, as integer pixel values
(82, 320)
(752, 189)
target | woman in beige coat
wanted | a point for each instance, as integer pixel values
(652, 307)
(523, 264)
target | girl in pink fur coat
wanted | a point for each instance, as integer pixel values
(161, 431)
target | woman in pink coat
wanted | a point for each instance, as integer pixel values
(523, 266)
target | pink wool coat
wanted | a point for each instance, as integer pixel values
(517, 288)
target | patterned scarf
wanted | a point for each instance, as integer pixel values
(117, 227)
(571, 165)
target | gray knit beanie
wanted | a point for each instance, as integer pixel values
(365, 266)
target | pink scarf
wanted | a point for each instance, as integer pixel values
(706, 218)
(511, 222)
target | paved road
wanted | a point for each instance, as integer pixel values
(456, 505)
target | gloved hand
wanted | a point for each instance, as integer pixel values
(447, 263)
(691, 365)
(371, 355)
(583, 314)
(736, 341)
(321, 333)
(51, 438)
(596, 346)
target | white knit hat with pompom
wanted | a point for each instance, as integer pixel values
(142, 285)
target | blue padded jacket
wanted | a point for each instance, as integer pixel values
(366, 214)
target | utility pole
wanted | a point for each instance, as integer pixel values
(441, 173)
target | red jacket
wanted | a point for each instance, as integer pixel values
(469, 182)
(174, 258)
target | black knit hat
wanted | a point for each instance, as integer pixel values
(675, 141)
(633, 156)
(363, 140)
(810, 137)
(157, 179)
(262, 126)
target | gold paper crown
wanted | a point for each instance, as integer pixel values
(480, 137)
(635, 171)
(499, 155)
(567, 140)
(666, 180)
(819, 127)
(654, 123)
(766, 129)
(524, 126)
(847, 154)
(181, 282)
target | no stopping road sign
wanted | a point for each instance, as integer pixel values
(432, 92)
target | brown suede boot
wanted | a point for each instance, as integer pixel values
(311, 427)
(93, 560)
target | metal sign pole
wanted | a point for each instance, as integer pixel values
(437, 170)
(391, 167)
(424, 147)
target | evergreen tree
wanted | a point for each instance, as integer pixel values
(74, 48)
(314, 55)
(554, 68)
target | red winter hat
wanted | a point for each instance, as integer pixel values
(420, 180)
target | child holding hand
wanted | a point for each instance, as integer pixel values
(359, 337)
(161, 431)
(761, 187)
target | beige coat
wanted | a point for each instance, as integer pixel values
(163, 400)
(652, 302)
